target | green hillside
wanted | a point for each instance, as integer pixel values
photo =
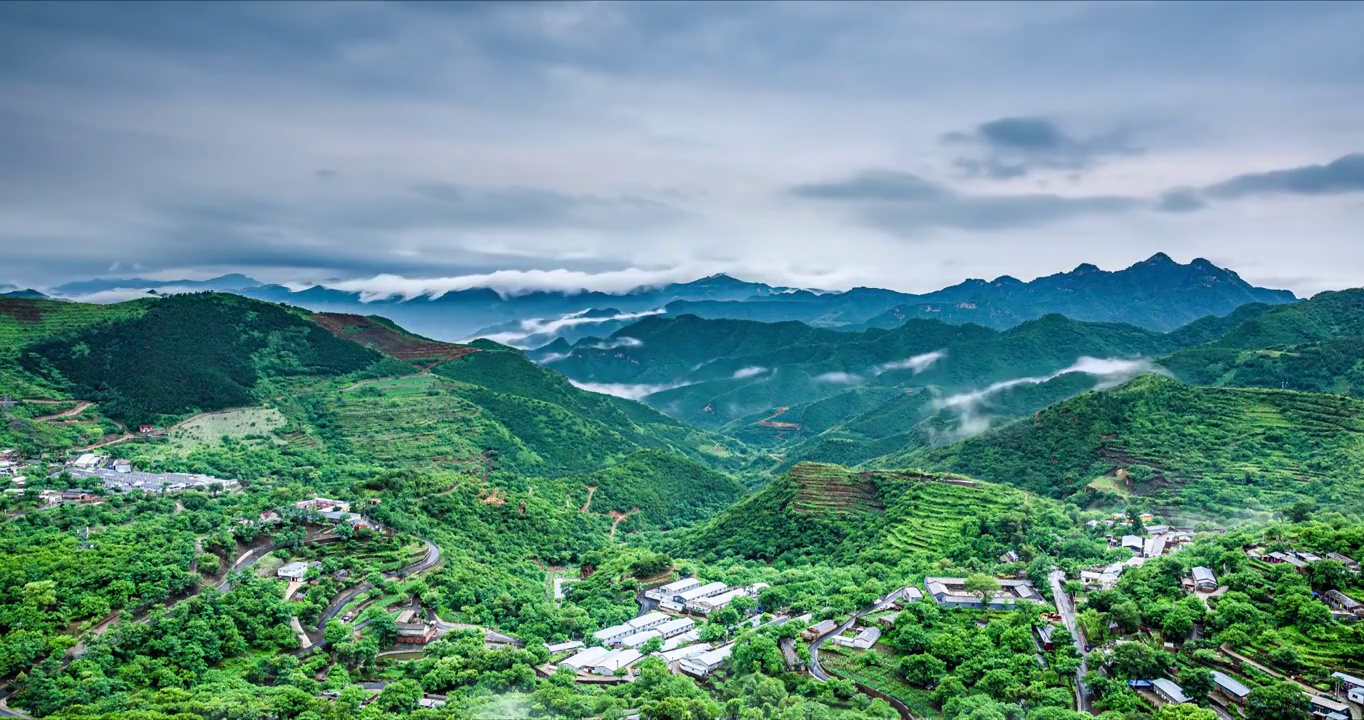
(828, 513)
(1314, 345)
(1213, 450)
(190, 353)
(664, 489)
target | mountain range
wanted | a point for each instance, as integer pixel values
(1157, 294)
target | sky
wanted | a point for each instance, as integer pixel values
(607, 145)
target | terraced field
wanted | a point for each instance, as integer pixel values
(927, 511)
(831, 489)
(379, 334)
(23, 320)
(408, 421)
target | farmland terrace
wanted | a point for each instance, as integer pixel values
(377, 334)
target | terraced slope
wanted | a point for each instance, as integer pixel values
(24, 320)
(1221, 450)
(381, 334)
(827, 513)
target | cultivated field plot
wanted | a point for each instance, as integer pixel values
(410, 420)
(256, 424)
(389, 340)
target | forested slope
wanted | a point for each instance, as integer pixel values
(1215, 450)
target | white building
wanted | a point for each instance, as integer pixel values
(649, 620)
(707, 662)
(708, 605)
(1204, 579)
(696, 593)
(682, 653)
(614, 633)
(293, 571)
(861, 641)
(564, 646)
(1169, 691)
(639, 638)
(676, 627)
(616, 660)
(666, 592)
(1153, 546)
(585, 659)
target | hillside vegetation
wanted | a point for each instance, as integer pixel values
(828, 513)
(190, 353)
(1217, 450)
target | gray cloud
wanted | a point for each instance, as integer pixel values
(1012, 147)
(313, 141)
(1344, 175)
(907, 204)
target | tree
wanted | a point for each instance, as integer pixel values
(922, 670)
(1326, 575)
(1184, 711)
(1301, 510)
(1197, 683)
(758, 653)
(1177, 625)
(1126, 615)
(1278, 701)
(399, 697)
(651, 646)
(1135, 661)
(336, 631)
(744, 605)
(982, 586)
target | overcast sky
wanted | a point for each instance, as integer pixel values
(900, 145)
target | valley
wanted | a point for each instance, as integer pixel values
(461, 517)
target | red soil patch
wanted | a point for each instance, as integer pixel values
(371, 334)
(773, 423)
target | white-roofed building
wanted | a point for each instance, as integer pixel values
(1328, 708)
(696, 593)
(676, 654)
(951, 592)
(708, 605)
(666, 592)
(639, 638)
(707, 662)
(1133, 543)
(614, 633)
(585, 659)
(1204, 579)
(861, 641)
(1153, 546)
(676, 627)
(293, 571)
(1230, 688)
(615, 661)
(564, 646)
(1169, 691)
(649, 620)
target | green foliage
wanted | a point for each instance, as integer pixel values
(1213, 449)
(190, 353)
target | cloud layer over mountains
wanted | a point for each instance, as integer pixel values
(410, 149)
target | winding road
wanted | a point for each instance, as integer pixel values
(1066, 607)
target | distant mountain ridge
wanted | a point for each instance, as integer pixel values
(1156, 294)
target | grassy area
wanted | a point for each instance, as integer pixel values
(254, 424)
(877, 668)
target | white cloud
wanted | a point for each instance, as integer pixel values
(540, 326)
(512, 282)
(969, 406)
(748, 372)
(618, 342)
(624, 390)
(917, 363)
(839, 378)
(553, 357)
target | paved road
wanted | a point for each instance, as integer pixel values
(881, 604)
(1066, 607)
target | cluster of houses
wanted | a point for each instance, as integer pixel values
(118, 475)
(1300, 559)
(336, 511)
(952, 592)
(691, 596)
(1234, 691)
(638, 631)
